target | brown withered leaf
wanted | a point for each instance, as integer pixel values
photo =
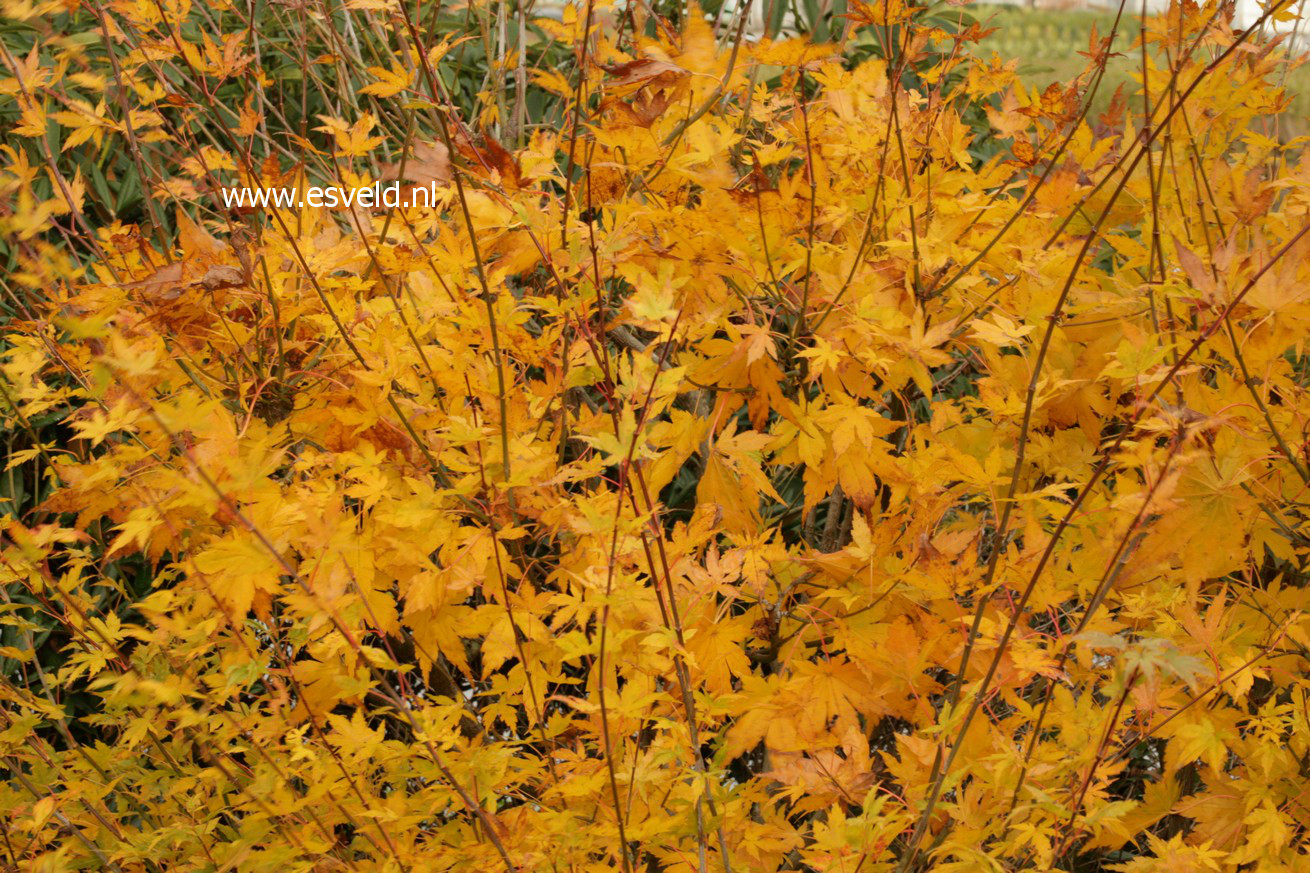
(492, 157)
(642, 110)
(640, 70)
(199, 267)
(502, 161)
(428, 162)
(163, 284)
(647, 107)
(221, 276)
(171, 281)
(240, 241)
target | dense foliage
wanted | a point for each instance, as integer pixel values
(768, 455)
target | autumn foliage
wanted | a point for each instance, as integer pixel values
(768, 455)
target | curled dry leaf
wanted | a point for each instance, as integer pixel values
(163, 284)
(221, 276)
(640, 70)
(170, 282)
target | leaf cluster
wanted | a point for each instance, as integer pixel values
(740, 470)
